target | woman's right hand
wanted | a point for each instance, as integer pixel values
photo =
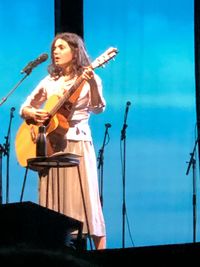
(39, 116)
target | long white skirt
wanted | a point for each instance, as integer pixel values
(70, 197)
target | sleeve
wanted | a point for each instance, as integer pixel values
(36, 98)
(96, 93)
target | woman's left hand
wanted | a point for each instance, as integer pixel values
(88, 73)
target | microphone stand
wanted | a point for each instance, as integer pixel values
(101, 163)
(123, 138)
(13, 89)
(192, 163)
(4, 149)
(28, 69)
(7, 153)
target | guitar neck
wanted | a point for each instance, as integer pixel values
(66, 96)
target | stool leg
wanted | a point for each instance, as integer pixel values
(84, 206)
(58, 186)
(47, 192)
(22, 193)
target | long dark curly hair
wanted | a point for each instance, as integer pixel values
(80, 56)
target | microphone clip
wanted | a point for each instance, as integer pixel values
(123, 131)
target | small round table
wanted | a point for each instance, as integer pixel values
(59, 160)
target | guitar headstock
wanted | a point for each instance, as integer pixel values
(109, 54)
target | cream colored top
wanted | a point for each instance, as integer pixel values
(81, 110)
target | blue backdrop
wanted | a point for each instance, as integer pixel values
(154, 70)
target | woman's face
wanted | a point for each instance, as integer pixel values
(62, 53)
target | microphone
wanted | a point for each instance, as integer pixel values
(108, 125)
(128, 103)
(12, 111)
(34, 63)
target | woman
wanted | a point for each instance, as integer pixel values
(70, 61)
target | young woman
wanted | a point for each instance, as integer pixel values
(70, 61)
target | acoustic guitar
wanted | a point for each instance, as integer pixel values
(25, 142)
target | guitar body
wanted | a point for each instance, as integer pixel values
(58, 122)
(25, 142)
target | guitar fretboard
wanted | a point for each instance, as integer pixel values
(66, 96)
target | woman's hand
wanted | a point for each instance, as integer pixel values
(88, 73)
(39, 116)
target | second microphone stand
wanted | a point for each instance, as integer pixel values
(192, 163)
(123, 138)
(101, 162)
(5, 150)
(2, 152)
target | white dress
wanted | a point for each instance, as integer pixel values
(78, 140)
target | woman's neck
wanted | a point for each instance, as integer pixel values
(68, 76)
(68, 72)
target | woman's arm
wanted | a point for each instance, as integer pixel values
(34, 115)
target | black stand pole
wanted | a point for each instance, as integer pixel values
(192, 163)
(7, 153)
(101, 162)
(2, 151)
(123, 138)
(5, 150)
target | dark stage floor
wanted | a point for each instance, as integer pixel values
(31, 235)
(165, 255)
